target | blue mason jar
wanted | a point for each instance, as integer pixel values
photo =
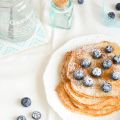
(61, 17)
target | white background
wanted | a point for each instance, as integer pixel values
(21, 74)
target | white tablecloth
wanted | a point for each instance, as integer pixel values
(21, 74)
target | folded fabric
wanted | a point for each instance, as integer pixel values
(9, 48)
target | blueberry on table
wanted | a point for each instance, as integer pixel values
(97, 53)
(111, 15)
(116, 59)
(79, 74)
(85, 63)
(109, 49)
(80, 1)
(21, 117)
(117, 6)
(88, 82)
(115, 75)
(106, 87)
(107, 64)
(26, 102)
(96, 72)
(36, 115)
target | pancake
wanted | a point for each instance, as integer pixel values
(89, 100)
(81, 98)
(92, 103)
(75, 107)
(85, 52)
(64, 67)
(64, 97)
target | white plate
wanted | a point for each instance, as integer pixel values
(51, 78)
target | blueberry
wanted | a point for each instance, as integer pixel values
(88, 82)
(106, 87)
(116, 59)
(111, 15)
(85, 63)
(26, 102)
(78, 75)
(21, 117)
(96, 72)
(36, 115)
(109, 49)
(115, 75)
(107, 64)
(97, 54)
(80, 1)
(117, 6)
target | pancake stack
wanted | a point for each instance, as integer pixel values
(91, 89)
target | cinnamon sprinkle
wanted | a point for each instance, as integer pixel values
(61, 3)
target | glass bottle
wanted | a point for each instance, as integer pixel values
(17, 20)
(61, 17)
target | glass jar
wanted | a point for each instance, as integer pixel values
(110, 13)
(17, 20)
(61, 17)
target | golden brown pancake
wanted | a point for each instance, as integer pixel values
(92, 103)
(75, 107)
(85, 52)
(89, 100)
